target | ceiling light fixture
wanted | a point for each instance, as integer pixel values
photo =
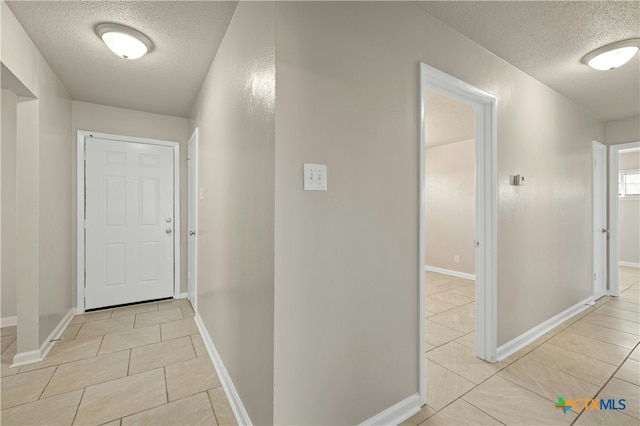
(612, 55)
(124, 41)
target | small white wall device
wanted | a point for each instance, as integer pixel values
(517, 180)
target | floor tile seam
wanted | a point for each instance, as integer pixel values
(446, 327)
(584, 354)
(623, 308)
(573, 375)
(94, 384)
(166, 384)
(600, 340)
(465, 378)
(48, 383)
(537, 393)
(78, 407)
(609, 315)
(595, 322)
(611, 305)
(459, 331)
(478, 408)
(515, 384)
(215, 415)
(165, 365)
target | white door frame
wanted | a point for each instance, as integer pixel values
(192, 162)
(614, 225)
(80, 178)
(486, 211)
(598, 203)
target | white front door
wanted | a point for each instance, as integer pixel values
(129, 222)
(600, 230)
(192, 162)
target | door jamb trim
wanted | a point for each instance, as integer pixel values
(80, 207)
(485, 105)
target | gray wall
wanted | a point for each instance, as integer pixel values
(43, 181)
(235, 116)
(346, 320)
(629, 213)
(450, 206)
(8, 280)
(126, 122)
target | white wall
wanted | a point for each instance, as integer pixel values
(629, 213)
(126, 122)
(235, 116)
(346, 293)
(43, 189)
(621, 131)
(450, 206)
(8, 221)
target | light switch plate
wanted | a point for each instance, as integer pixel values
(315, 177)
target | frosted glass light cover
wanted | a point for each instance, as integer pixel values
(124, 45)
(124, 41)
(613, 58)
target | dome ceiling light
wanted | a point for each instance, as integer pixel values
(124, 41)
(612, 55)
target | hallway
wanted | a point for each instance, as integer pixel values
(140, 364)
(593, 355)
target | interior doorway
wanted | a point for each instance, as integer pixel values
(624, 215)
(433, 81)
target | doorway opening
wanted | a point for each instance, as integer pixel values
(439, 86)
(624, 215)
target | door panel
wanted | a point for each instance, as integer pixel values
(600, 230)
(129, 222)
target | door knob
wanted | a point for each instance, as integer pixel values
(168, 230)
(192, 232)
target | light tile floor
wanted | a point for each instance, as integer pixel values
(147, 364)
(137, 365)
(593, 355)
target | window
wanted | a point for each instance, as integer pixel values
(629, 183)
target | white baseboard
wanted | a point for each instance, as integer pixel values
(8, 322)
(38, 355)
(240, 413)
(450, 272)
(629, 264)
(78, 311)
(182, 296)
(397, 413)
(514, 345)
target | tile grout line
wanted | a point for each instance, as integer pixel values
(215, 416)
(607, 382)
(78, 407)
(48, 382)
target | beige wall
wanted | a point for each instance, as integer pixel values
(450, 206)
(620, 131)
(346, 319)
(8, 203)
(629, 213)
(126, 122)
(43, 189)
(235, 116)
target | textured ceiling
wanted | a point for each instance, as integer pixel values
(447, 120)
(186, 36)
(547, 39)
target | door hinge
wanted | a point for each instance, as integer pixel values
(84, 155)
(84, 223)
